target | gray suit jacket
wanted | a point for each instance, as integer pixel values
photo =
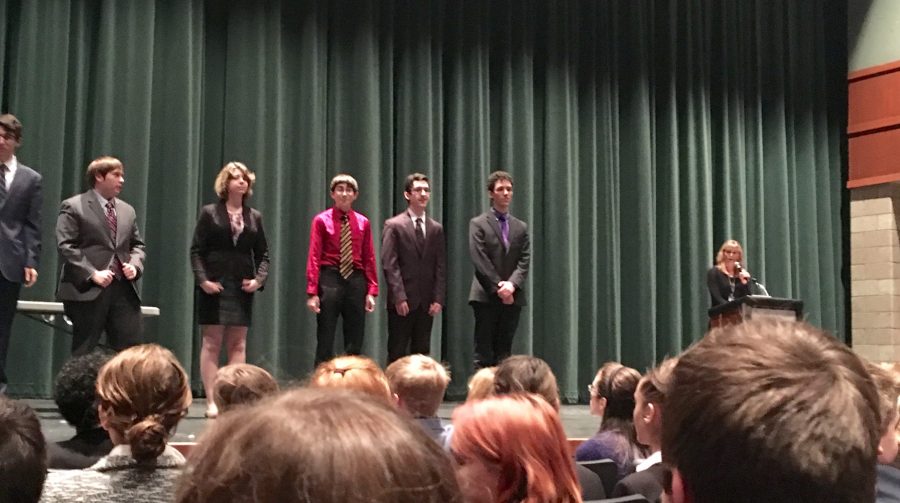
(493, 263)
(20, 225)
(85, 244)
(415, 275)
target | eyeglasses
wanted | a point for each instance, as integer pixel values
(8, 136)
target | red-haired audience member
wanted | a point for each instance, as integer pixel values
(353, 372)
(612, 398)
(312, 445)
(242, 384)
(528, 374)
(143, 392)
(774, 412)
(512, 449)
(75, 394)
(481, 384)
(650, 401)
(23, 458)
(886, 380)
(419, 382)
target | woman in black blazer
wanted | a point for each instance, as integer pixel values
(230, 258)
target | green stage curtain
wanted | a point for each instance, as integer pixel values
(641, 134)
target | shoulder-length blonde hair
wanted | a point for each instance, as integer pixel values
(720, 255)
(522, 434)
(227, 174)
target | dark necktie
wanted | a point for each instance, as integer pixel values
(346, 248)
(3, 169)
(504, 228)
(112, 222)
(420, 233)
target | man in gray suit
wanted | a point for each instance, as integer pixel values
(102, 257)
(414, 263)
(499, 247)
(20, 230)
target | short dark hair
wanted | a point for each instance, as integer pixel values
(11, 124)
(780, 412)
(75, 389)
(495, 177)
(414, 177)
(23, 453)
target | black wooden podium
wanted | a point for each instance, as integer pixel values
(755, 307)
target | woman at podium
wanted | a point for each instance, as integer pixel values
(728, 280)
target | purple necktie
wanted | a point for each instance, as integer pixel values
(504, 228)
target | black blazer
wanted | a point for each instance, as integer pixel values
(215, 256)
(493, 263)
(648, 483)
(415, 275)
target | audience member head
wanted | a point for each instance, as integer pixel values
(143, 393)
(242, 384)
(353, 372)
(886, 383)
(512, 448)
(612, 396)
(523, 373)
(419, 383)
(776, 412)
(75, 389)
(23, 453)
(481, 384)
(232, 171)
(317, 445)
(649, 403)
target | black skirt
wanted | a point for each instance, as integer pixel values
(231, 307)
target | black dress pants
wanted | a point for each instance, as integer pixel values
(117, 310)
(495, 327)
(9, 294)
(345, 298)
(410, 334)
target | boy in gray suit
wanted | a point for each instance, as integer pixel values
(499, 247)
(102, 257)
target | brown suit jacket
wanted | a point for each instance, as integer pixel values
(413, 273)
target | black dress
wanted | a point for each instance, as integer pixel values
(723, 288)
(216, 256)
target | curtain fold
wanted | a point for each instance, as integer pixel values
(641, 134)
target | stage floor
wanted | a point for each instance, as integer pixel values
(576, 419)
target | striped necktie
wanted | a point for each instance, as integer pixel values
(346, 248)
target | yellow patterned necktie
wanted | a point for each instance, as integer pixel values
(346, 248)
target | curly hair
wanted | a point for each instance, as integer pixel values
(75, 389)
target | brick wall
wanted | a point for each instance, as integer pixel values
(875, 271)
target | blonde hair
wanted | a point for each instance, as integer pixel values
(420, 382)
(481, 384)
(226, 175)
(353, 372)
(242, 384)
(720, 255)
(143, 392)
